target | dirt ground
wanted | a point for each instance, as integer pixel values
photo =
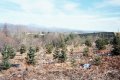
(109, 69)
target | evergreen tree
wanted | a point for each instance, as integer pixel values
(49, 48)
(31, 56)
(22, 49)
(60, 55)
(85, 52)
(116, 45)
(106, 41)
(61, 44)
(100, 44)
(88, 43)
(12, 52)
(7, 53)
(56, 53)
(6, 64)
(97, 60)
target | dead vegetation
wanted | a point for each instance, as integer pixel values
(107, 70)
(65, 64)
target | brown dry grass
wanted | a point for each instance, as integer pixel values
(109, 69)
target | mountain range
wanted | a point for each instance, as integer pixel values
(39, 28)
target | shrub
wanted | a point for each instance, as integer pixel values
(6, 64)
(88, 43)
(97, 60)
(49, 48)
(116, 45)
(31, 56)
(12, 52)
(7, 53)
(56, 54)
(85, 52)
(60, 55)
(100, 44)
(69, 37)
(62, 44)
(22, 49)
(106, 41)
(73, 61)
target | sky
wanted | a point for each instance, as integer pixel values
(99, 15)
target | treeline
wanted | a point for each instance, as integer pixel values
(107, 35)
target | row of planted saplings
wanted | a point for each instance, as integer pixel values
(9, 53)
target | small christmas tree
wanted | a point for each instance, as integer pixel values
(86, 51)
(31, 56)
(49, 48)
(6, 64)
(116, 45)
(60, 55)
(88, 43)
(56, 54)
(22, 49)
(7, 53)
(11, 52)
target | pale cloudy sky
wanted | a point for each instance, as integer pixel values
(72, 14)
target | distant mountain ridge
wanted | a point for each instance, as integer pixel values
(38, 28)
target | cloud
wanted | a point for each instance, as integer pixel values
(78, 22)
(114, 2)
(70, 6)
(67, 15)
(106, 3)
(47, 6)
(36, 6)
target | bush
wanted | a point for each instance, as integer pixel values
(88, 43)
(12, 52)
(56, 54)
(62, 45)
(73, 61)
(7, 53)
(22, 49)
(116, 45)
(85, 52)
(60, 55)
(97, 60)
(31, 56)
(100, 44)
(106, 41)
(69, 37)
(6, 64)
(49, 48)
